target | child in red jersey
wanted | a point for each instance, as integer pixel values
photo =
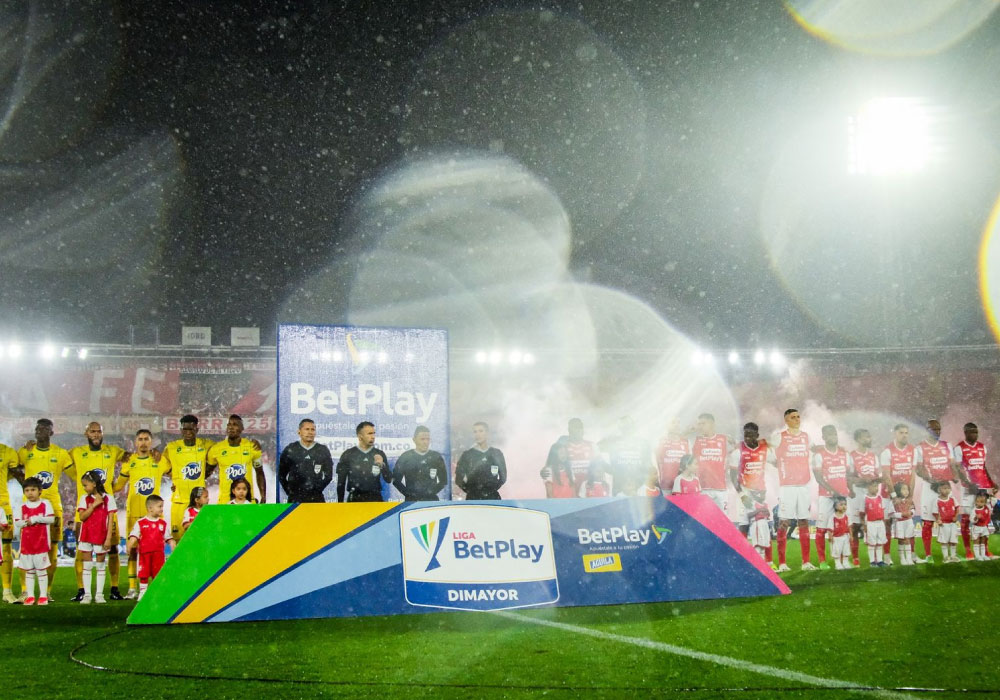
(687, 480)
(946, 514)
(33, 520)
(840, 543)
(595, 486)
(150, 535)
(199, 498)
(97, 511)
(557, 475)
(902, 525)
(760, 522)
(981, 513)
(875, 536)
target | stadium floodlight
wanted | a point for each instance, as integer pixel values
(14, 351)
(759, 358)
(326, 356)
(889, 136)
(697, 358)
(528, 358)
(515, 357)
(495, 357)
(82, 353)
(48, 351)
(709, 358)
(408, 357)
(365, 356)
(777, 359)
(383, 358)
(734, 358)
(65, 352)
(481, 357)
(338, 356)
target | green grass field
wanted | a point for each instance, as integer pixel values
(918, 627)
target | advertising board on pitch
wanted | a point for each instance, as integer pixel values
(473, 557)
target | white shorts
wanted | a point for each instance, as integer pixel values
(91, 547)
(760, 533)
(719, 496)
(875, 533)
(902, 529)
(34, 562)
(978, 531)
(793, 502)
(948, 533)
(840, 546)
(824, 512)
(855, 507)
(927, 500)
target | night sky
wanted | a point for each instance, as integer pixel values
(209, 163)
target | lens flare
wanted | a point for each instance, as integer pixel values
(989, 270)
(891, 27)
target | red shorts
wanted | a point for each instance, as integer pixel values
(150, 564)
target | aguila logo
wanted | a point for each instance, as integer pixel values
(191, 470)
(144, 487)
(236, 470)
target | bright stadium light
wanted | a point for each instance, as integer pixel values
(14, 351)
(383, 358)
(734, 358)
(48, 351)
(338, 356)
(82, 353)
(408, 357)
(326, 356)
(515, 357)
(481, 357)
(777, 359)
(889, 136)
(759, 358)
(697, 358)
(528, 358)
(365, 356)
(64, 353)
(495, 357)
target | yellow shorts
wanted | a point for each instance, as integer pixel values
(176, 518)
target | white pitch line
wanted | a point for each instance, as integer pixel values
(729, 661)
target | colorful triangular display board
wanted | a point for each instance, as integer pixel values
(287, 561)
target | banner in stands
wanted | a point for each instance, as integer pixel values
(339, 376)
(314, 560)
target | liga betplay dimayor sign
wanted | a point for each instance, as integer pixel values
(339, 376)
(477, 557)
(290, 561)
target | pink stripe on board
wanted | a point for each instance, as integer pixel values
(703, 509)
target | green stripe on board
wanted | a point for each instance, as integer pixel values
(215, 537)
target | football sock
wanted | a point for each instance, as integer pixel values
(855, 545)
(86, 577)
(43, 584)
(966, 535)
(782, 545)
(29, 583)
(115, 565)
(821, 544)
(133, 579)
(101, 573)
(7, 568)
(927, 535)
(79, 565)
(804, 542)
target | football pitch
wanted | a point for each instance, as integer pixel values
(921, 631)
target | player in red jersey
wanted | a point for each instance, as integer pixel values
(34, 519)
(830, 465)
(899, 467)
(789, 452)
(572, 448)
(971, 455)
(866, 469)
(946, 511)
(710, 449)
(840, 538)
(668, 454)
(149, 536)
(981, 513)
(746, 469)
(875, 535)
(687, 481)
(98, 511)
(933, 457)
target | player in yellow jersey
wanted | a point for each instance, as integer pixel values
(47, 462)
(144, 476)
(185, 460)
(8, 462)
(97, 456)
(235, 456)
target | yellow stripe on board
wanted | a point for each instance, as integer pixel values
(304, 531)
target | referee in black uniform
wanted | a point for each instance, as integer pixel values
(305, 467)
(420, 473)
(481, 469)
(361, 469)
